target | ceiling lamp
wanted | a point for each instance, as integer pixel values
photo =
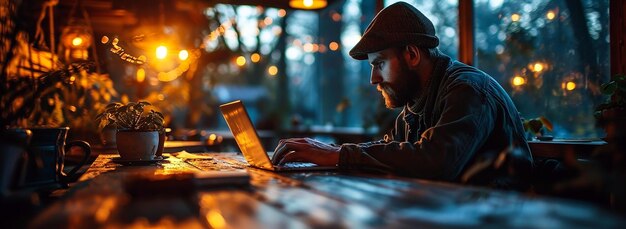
(308, 4)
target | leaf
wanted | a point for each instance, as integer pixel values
(608, 88)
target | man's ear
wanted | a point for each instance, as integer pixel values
(413, 55)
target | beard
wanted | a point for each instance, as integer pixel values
(402, 91)
(392, 99)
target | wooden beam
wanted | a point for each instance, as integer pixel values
(466, 31)
(618, 35)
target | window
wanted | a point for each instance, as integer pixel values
(551, 56)
(444, 15)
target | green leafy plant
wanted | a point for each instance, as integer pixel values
(132, 116)
(64, 97)
(616, 90)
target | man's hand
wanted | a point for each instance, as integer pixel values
(305, 150)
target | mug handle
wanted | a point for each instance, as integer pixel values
(86, 148)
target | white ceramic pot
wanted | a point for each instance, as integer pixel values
(137, 145)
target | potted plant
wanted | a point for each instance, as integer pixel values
(537, 128)
(140, 133)
(611, 114)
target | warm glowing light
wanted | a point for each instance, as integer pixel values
(519, 81)
(215, 219)
(104, 39)
(77, 41)
(570, 86)
(161, 97)
(308, 47)
(141, 75)
(241, 61)
(255, 57)
(550, 15)
(333, 46)
(282, 13)
(336, 17)
(272, 70)
(268, 20)
(297, 42)
(161, 52)
(308, 4)
(538, 67)
(515, 17)
(183, 55)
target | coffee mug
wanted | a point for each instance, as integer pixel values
(47, 158)
(13, 144)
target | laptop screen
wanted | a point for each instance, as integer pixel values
(245, 135)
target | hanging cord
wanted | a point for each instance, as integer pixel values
(51, 5)
(93, 37)
(48, 7)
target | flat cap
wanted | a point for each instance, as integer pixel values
(396, 25)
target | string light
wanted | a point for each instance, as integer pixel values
(241, 61)
(282, 13)
(515, 17)
(333, 46)
(161, 52)
(550, 15)
(183, 55)
(118, 50)
(570, 86)
(272, 70)
(141, 75)
(519, 81)
(255, 57)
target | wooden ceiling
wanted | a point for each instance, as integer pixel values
(116, 15)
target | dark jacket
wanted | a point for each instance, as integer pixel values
(464, 116)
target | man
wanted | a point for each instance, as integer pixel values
(454, 116)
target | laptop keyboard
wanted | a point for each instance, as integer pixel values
(298, 165)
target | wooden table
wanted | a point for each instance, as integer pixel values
(299, 200)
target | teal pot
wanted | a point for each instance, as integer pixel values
(137, 145)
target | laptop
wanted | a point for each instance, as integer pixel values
(250, 145)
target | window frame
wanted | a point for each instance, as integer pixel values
(617, 25)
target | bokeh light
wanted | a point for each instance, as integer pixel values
(183, 55)
(519, 81)
(255, 57)
(272, 70)
(550, 15)
(77, 41)
(333, 46)
(241, 61)
(141, 75)
(515, 17)
(161, 52)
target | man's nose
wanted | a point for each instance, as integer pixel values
(375, 78)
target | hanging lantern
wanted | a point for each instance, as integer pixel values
(76, 40)
(308, 4)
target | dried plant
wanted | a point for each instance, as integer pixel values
(132, 116)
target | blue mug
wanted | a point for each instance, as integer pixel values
(47, 158)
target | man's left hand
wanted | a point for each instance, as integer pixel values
(305, 150)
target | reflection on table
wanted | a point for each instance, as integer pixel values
(107, 196)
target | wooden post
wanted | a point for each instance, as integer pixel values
(466, 31)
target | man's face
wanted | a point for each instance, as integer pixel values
(392, 77)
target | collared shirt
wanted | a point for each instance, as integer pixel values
(463, 117)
